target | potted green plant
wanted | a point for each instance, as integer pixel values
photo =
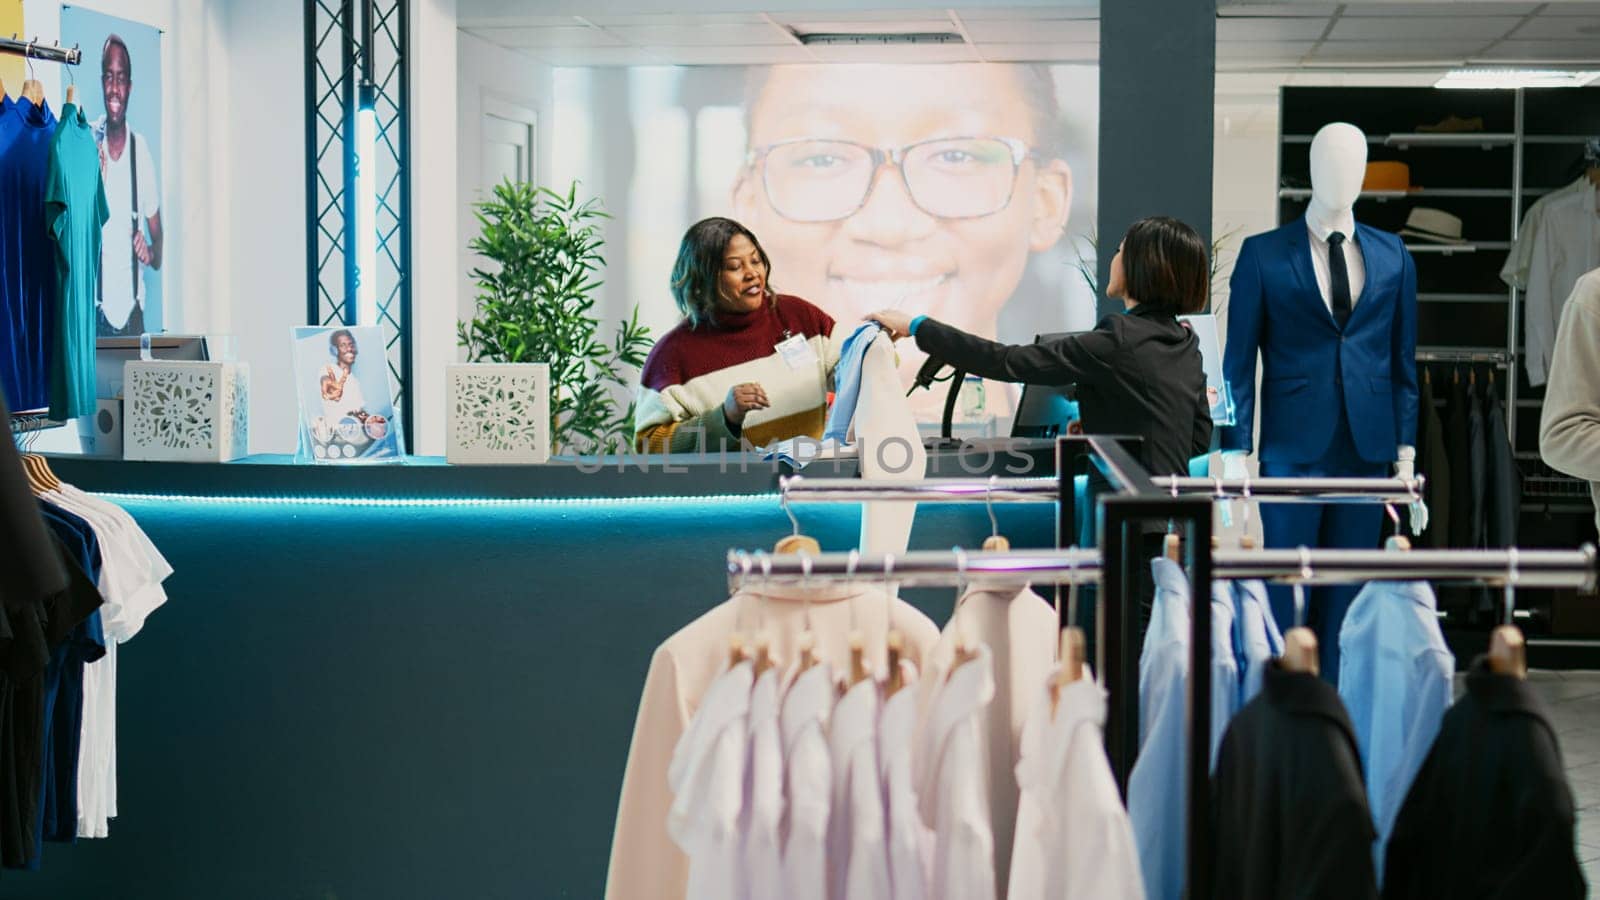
(535, 306)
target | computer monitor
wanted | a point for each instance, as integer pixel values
(1043, 411)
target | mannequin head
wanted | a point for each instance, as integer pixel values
(1338, 165)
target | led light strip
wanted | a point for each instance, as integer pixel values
(437, 502)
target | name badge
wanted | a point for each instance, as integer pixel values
(797, 353)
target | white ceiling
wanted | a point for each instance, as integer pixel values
(1251, 37)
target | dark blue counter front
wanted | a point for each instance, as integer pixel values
(398, 697)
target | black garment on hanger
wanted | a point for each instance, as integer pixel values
(1458, 443)
(1289, 803)
(1478, 454)
(1490, 814)
(1434, 464)
(1505, 481)
(29, 568)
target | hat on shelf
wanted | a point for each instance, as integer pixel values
(1387, 176)
(1434, 225)
(1453, 124)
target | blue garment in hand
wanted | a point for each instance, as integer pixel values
(847, 381)
(1394, 679)
(1157, 788)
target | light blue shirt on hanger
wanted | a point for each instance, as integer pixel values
(1158, 798)
(1257, 639)
(1394, 679)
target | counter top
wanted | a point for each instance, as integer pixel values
(274, 476)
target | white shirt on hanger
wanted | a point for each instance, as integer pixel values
(763, 849)
(910, 842)
(1074, 840)
(1320, 228)
(707, 781)
(952, 788)
(1568, 245)
(858, 857)
(808, 778)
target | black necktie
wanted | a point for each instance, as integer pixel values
(1338, 280)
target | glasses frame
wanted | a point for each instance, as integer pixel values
(896, 157)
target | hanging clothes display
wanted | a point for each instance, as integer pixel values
(1395, 685)
(1288, 799)
(1490, 813)
(1559, 241)
(1157, 802)
(1257, 640)
(1073, 837)
(27, 268)
(1019, 629)
(761, 840)
(75, 212)
(1433, 460)
(910, 842)
(951, 783)
(645, 861)
(1503, 503)
(57, 691)
(706, 778)
(808, 780)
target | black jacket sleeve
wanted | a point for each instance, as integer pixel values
(1200, 442)
(1081, 358)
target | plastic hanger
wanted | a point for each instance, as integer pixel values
(1300, 643)
(796, 542)
(1508, 651)
(995, 541)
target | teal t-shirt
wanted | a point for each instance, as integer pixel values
(75, 211)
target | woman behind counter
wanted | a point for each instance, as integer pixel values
(744, 362)
(1139, 373)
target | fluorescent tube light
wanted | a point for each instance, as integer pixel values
(1515, 78)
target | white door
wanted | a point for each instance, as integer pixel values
(508, 146)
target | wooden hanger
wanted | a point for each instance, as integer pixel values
(858, 660)
(31, 88)
(763, 654)
(72, 93)
(1073, 649)
(1171, 548)
(1508, 651)
(40, 478)
(1300, 651)
(895, 679)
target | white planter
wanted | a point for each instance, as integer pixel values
(499, 413)
(186, 411)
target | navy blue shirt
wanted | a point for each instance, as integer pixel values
(27, 257)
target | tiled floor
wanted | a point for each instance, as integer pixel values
(1574, 701)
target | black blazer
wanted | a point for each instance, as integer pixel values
(1138, 373)
(1490, 815)
(1289, 804)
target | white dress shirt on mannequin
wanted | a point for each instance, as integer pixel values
(1321, 224)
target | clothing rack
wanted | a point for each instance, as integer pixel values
(51, 52)
(31, 421)
(1500, 359)
(1576, 569)
(1136, 499)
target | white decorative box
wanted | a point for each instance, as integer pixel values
(186, 411)
(499, 413)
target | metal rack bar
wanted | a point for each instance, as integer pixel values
(51, 52)
(799, 489)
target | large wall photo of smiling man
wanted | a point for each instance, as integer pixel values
(962, 190)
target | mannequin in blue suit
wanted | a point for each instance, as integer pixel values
(1335, 329)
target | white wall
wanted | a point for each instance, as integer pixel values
(256, 138)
